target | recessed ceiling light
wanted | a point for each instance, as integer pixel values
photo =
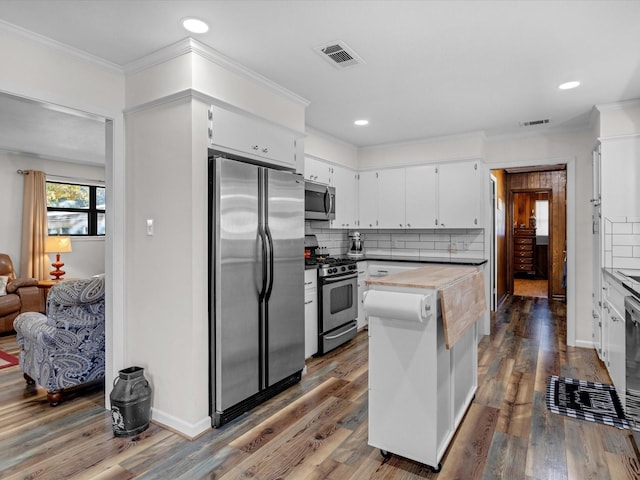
(195, 25)
(569, 85)
(361, 123)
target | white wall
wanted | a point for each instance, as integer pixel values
(458, 147)
(87, 257)
(619, 119)
(325, 147)
(167, 272)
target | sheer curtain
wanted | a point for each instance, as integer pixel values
(34, 263)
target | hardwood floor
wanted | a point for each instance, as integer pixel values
(318, 428)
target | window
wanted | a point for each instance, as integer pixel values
(75, 209)
(542, 218)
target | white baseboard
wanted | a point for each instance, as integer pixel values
(189, 430)
(584, 344)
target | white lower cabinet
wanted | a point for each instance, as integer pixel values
(614, 336)
(310, 312)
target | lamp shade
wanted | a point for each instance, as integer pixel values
(57, 244)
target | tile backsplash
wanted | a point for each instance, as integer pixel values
(426, 243)
(622, 242)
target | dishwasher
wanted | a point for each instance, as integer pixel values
(632, 364)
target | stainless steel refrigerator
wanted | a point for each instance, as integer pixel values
(256, 240)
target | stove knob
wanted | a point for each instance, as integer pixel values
(333, 270)
(343, 269)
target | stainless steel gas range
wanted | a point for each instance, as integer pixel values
(337, 302)
(337, 296)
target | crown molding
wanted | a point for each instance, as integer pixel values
(61, 47)
(618, 105)
(459, 136)
(190, 45)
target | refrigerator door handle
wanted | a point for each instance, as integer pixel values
(270, 263)
(263, 247)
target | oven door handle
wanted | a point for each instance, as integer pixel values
(333, 337)
(326, 281)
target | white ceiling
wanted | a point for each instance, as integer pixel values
(432, 68)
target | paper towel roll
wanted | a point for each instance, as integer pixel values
(410, 307)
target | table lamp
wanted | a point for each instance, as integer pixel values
(57, 244)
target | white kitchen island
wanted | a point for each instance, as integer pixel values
(423, 371)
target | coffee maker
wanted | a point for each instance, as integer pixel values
(356, 246)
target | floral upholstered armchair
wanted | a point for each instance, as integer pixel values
(65, 347)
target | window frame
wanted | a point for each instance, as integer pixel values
(92, 212)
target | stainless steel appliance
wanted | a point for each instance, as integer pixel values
(632, 364)
(319, 201)
(337, 302)
(356, 245)
(256, 239)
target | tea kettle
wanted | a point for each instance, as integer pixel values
(356, 248)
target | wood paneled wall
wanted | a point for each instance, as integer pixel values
(555, 182)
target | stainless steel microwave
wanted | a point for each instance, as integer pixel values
(319, 201)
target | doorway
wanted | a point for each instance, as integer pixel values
(517, 190)
(531, 222)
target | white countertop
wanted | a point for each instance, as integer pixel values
(621, 275)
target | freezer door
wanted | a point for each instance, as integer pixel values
(285, 298)
(237, 278)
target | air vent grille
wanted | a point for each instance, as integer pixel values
(339, 55)
(533, 123)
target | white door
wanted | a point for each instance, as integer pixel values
(368, 199)
(391, 207)
(420, 196)
(344, 181)
(459, 195)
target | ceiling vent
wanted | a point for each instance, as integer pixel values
(339, 55)
(534, 123)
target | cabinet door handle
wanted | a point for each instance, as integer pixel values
(265, 150)
(307, 303)
(255, 147)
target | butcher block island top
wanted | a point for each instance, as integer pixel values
(431, 276)
(461, 294)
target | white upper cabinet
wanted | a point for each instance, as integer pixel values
(446, 195)
(252, 138)
(459, 195)
(344, 181)
(420, 196)
(620, 176)
(368, 199)
(318, 171)
(391, 198)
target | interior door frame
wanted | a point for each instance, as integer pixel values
(509, 236)
(493, 295)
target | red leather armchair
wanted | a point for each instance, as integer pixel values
(23, 295)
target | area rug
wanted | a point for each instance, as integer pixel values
(591, 401)
(7, 360)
